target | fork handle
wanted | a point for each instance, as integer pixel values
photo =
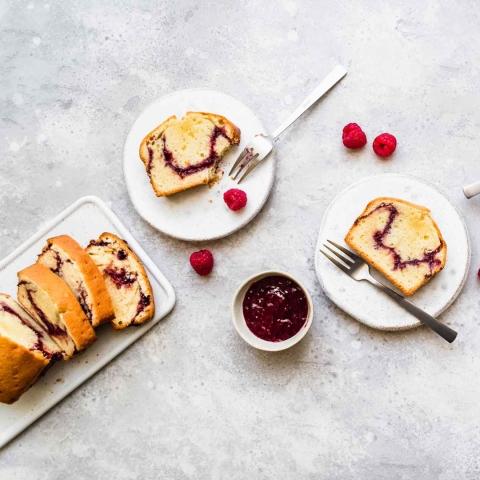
(443, 330)
(325, 85)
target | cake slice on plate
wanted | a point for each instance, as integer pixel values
(401, 240)
(183, 153)
(126, 279)
(51, 302)
(66, 258)
(25, 350)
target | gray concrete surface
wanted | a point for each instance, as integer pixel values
(191, 400)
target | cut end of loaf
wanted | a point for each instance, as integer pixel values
(52, 303)
(67, 259)
(126, 279)
(26, 350)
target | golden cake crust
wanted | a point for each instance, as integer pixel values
(102, 309)
(19, 369)
(75, 320)
(359, 248)
(194, 179)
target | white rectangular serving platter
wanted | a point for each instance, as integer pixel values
(85, 220)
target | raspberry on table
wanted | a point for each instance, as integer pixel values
(202, 261)
(384, 145)
(235, 198)
(353, 136)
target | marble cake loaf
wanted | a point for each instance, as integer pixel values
(126, 279)
(183, 153)
(49, 300)
(66, 258)
(401, 240)
(26, 349)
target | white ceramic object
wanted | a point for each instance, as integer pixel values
(199, 213)
(84, 220)
(362, 300)
(471, 190)
(242, 328)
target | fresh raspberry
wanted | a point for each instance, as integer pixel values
(353, 136)
(235, 198)
(202, 261)
(384, 145)
(478, 273)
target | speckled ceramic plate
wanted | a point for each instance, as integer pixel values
(199, 213)
(85, 219)
(362, 300)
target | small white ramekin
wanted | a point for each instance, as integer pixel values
(242, 328)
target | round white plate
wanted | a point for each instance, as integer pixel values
(199, 213)
(362, 300)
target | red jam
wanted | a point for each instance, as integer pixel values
(120, 277)
(275, 308)
(190, 170)
(39, 343)
(52, 329)
(429, 257)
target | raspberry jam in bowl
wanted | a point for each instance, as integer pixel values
(272, 311)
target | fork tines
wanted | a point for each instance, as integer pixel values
(247, 157)
(340, 256)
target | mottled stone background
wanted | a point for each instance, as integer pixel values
(191, 400)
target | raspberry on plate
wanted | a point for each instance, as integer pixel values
(384, 145)
(202, 261)
(235, 198)
(353, 136)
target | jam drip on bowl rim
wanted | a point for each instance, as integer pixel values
(429, 256)
(207, 162)
(275, 308)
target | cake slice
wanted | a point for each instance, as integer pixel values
(401, 240)
(126, 279)
(65, 257)
(25, 350)
(51, 302)
(184, 153)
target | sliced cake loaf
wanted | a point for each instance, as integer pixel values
(400, 240)
(52, 303)
(65, 257)
(184, 153)
(25, 349)
(126, 280)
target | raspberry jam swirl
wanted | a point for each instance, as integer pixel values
(120, 276)
(52, 328)
(39, 345)
(429, 257)
(207, 162)
(275, 308)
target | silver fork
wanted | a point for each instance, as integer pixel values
(261, 145)
(359, 270)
